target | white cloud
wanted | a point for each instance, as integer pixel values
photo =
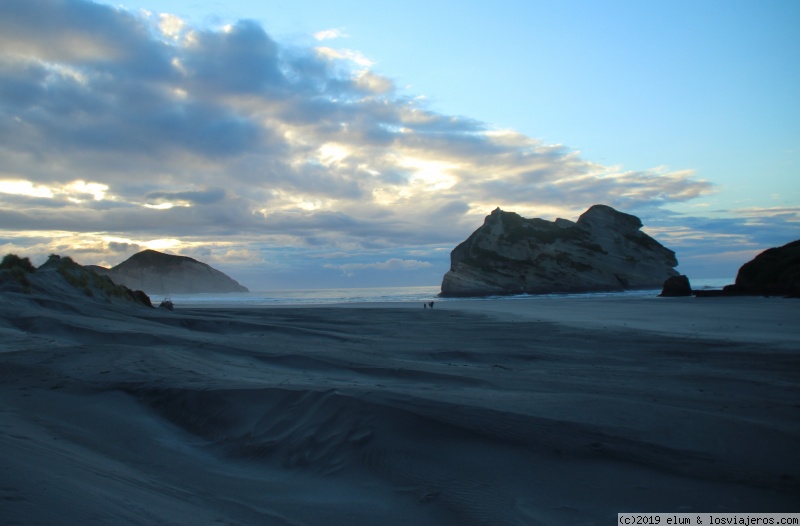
(330, 153)
(74, 190)
(330, 34)
(374, 83)
(27, 188)
(790, 214)
(356, 57)
(96, 190)
(171, 26)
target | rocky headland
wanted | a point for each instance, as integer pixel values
(158, 273)
(605, 250)
(774, 272)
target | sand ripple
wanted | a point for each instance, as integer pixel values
(383, 416)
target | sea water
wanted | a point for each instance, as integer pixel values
(420, 294)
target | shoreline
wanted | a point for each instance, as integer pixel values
(738, 318)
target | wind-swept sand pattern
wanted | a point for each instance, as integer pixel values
(558, 411)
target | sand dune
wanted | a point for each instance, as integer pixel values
(562, 411)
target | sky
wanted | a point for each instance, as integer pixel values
(310, 144)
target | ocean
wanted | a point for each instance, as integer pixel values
(421, 294)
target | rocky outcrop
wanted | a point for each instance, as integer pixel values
(605, 250)
(60, 277)
(158, 273)
(774, 272)
(676, 286)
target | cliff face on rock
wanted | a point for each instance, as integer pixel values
(605, 250)
(158, 273)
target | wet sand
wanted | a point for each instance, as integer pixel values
(557, 411)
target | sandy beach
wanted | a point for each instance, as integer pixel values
(557, 411)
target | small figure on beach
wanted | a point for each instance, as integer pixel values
(430, 304)
(424, 305)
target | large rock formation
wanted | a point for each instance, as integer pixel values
(774, 272)
(676, 286)
(158, 273)
(605, 250)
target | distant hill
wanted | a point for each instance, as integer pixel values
(158, 273)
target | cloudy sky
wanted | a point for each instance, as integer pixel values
(306, 144)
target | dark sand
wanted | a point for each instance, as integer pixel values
(562, 411)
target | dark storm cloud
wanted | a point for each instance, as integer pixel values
(124, 248)
(200, 197)
(201, 129)
(58, 111)
(241, 59)
(21, 83)
(84, 34)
